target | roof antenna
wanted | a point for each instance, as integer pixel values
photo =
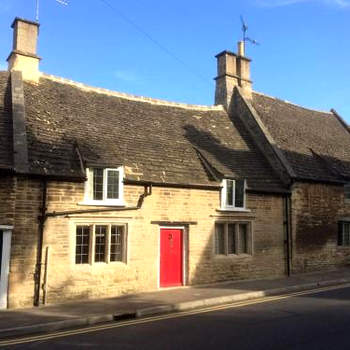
(245, 37)
(37, 11)
(62, 2)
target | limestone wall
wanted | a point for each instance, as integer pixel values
(7, 200)
(317, 208)
(68, 280)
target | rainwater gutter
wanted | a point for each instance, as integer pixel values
(147, 192)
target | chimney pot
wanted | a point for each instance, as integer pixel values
(241, 48)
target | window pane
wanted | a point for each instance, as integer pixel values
(113, 184)
(346, 233)
(347, 191)
(231, 239)
(219, 239)
(98, 184)
(243, 239)
(229, 192)
(117, 243)
(239, 194)
(100, 243)
(340, 233)
(82, 245)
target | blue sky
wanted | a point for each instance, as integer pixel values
(165, 49)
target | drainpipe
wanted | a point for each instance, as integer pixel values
(44, 215)
(287, 226)
(290, 211)
(42, 218)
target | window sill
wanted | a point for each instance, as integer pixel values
(232, 256)
(100, 265)
(103, 203)
(238, 210)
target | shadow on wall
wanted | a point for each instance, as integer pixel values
(247, 162)
(317, 207)
(24, 241)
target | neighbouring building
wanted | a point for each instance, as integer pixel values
(104, 193)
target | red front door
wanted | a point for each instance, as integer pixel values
(170, 257)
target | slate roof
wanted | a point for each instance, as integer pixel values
(316, 144)
(155, 142)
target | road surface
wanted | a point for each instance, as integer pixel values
(307, 320)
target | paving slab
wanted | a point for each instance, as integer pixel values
(27, 321)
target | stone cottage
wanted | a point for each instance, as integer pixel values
(105, 193)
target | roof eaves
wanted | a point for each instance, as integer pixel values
(215, 186)
(320, 180)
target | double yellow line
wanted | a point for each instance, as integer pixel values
(103, 327)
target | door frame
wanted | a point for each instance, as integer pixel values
(5, 264)
(184, 254)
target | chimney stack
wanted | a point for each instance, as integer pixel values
(24, 52)
(233, 70)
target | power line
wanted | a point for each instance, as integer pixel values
(154, 41)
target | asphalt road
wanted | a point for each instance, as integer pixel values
(313, 321)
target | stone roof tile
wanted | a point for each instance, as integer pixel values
(155, 141)
(315, 143)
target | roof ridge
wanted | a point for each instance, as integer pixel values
(292, 103)
(130, 96)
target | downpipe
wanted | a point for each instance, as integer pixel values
(44, 215)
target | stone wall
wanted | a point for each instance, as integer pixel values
(69, 281)
(7, 200)
(316, 210)
(28, 196)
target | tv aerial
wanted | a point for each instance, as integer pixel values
(245, 37)
(62, 2)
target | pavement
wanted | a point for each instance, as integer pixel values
(23, 322)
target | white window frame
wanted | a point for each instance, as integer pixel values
(224, 205)
(92, 243)
(249, 238)
(88, 191)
